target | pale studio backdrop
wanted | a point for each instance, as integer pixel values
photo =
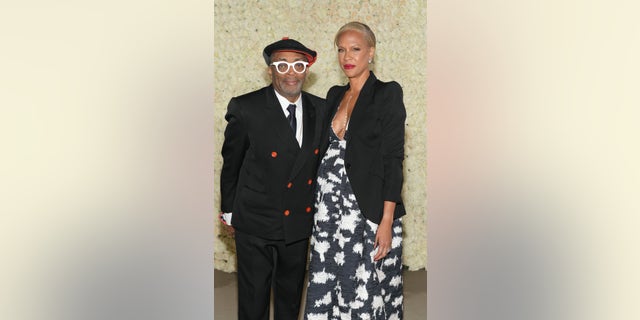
(243, 28)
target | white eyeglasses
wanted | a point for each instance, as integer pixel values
(283, 66)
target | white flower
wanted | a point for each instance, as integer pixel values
(397, 301)
(377, 304)
(341, 238)
(357, 248)
(349, 220)
(364, 316)
(361, 293)
(322, 213)
(390, 261)
(317, 316)
(326, 300)
(339, 258)
(396, 281)
(354, 305)
(394, 316)
(321, 277)
(321, 247)
(362, 273)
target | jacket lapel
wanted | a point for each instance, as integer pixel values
(309, 134)
(335, 101)
(275, 116)
(364, 99)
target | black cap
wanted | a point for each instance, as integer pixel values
(287, 44)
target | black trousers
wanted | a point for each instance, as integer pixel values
(266, 264)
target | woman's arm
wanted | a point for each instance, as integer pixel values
(392, 147)
(383, 235)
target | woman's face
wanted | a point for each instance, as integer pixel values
(354, 53)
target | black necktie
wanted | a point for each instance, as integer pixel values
(292, 117)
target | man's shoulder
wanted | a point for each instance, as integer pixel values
(257, 94)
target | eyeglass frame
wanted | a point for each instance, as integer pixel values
(290, 65)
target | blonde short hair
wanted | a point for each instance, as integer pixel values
(369, 37)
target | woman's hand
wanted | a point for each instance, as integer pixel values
(383, 235)
(383, 239)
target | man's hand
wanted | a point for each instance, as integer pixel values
(225, 218)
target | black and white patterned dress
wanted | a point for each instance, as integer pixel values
(344, 281)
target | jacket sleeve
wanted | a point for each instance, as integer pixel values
(234, 148)
(392, 147)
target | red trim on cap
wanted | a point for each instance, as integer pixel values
(309, 57)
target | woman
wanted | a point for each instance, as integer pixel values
(355, 270)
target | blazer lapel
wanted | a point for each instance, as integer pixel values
(364, 99)
(275, 116)
(309, 135)
(335, 101)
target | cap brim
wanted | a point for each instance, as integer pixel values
(311, 59)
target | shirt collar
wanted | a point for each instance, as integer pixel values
(284, 102)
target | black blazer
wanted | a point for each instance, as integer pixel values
(375, 145)
(267, 180)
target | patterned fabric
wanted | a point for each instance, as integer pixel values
(344, 281)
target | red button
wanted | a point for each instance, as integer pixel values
(310, 181)
(274, 154)
(286, 212)
(289, 185)
(308, 209)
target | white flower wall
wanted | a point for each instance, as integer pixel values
(243, 28)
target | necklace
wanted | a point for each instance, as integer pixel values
(341, 133)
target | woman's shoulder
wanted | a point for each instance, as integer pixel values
(382, 85)
(338, 88)
(387, 86)
(335, 90)
(388, 94)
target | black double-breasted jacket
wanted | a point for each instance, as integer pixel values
(267, 180)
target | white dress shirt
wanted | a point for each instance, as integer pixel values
(284, 103)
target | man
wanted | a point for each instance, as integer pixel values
(271, 154)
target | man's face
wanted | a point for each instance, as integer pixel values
(289, 84)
